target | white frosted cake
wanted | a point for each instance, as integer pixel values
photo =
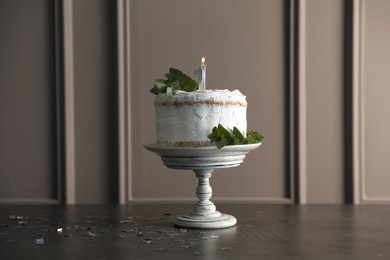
(187, 118)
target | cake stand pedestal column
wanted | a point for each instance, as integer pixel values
(204, 214)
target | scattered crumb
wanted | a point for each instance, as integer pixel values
(147, 241)
(40, 241)
(90, 234)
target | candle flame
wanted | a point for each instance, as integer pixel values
(203, 60)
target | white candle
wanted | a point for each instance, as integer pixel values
(202, 85)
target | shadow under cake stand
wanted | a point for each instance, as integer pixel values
(203, 161)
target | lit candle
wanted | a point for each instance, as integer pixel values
(202, 85)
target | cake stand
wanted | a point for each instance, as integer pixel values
(203, 161)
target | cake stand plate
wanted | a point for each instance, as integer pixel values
(203, 161)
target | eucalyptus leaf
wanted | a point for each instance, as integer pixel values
(222, 143)
(176, 80)
(224, 132)
(169, 91)
(158, 88)
(251, 139)
(190, 86)
(175, 85)
(215, 131)
(175, 71)
(256, 135)
(160, 81)
(155, 90)
(172, 76)
(221, 137)
(238, 134)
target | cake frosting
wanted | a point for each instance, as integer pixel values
(187, 118)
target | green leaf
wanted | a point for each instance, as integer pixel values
(175, 71)
(176, 80)
(223, 131)
(238, 134)
(171, 76)
(221, 137)
(222, 143)
(169, 91)
(160, 81)
(175, 85)
(258, 137)
(190, 86)
(215, 131)
(251, 139)
(155, 90)
(159, 87)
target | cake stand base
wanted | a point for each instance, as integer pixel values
(204, 214)
(205, 222)
(203, 161)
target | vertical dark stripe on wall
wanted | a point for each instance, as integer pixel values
(294, 110)
(348, 100)
(51, 49)
(295, 94)
(289, 160)
(111, 92)
(115, 103)
(60, 142)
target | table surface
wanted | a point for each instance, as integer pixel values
(146, 231)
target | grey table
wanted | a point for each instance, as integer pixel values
(146, 231)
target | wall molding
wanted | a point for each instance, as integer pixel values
(65, 101)
(29, 201)
(124, 100)
(359, 173)
(69, 101)
(64, 107)
(296, 113)
(357, 102)
(298, 100)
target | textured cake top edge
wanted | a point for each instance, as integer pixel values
(177, 103)
(203, 97)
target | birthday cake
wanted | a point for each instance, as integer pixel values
(187, 118)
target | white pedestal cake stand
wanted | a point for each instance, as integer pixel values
(203, 161)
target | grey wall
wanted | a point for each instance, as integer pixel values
(324, 97)
(33, 78)
(94, 97)
(75, 108)
(27, 98)
(247, 53)
(374, 102)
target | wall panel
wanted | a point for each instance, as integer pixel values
(324, 80)
(57, 102)
(245, 47)
(374, 96)
(94, 102)
(27, 102)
